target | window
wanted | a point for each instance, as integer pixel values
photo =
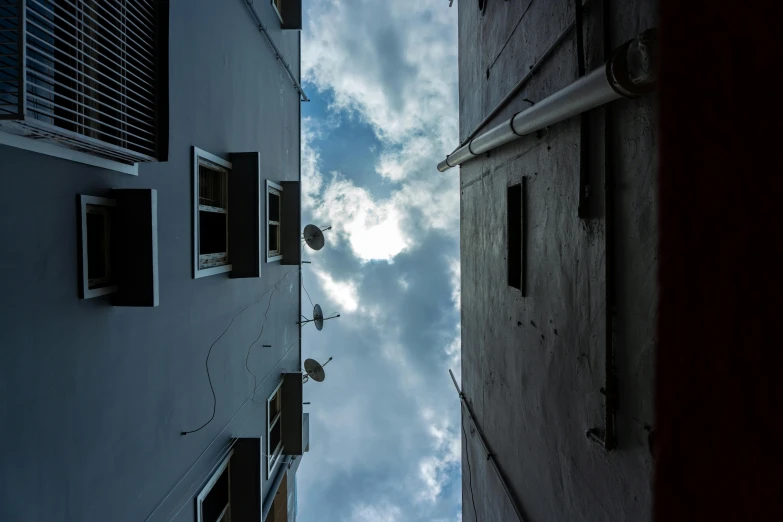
(289, 12)
(274, 200)
(278, 5)
(86, 74)
(213, 504)
(515, 239)
(210, 218)
(274, 439)
(95, 238)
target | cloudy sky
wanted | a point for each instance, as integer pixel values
(384, 426)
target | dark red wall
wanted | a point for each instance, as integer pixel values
(720, 369)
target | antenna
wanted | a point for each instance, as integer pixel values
(314, 236)
(314, 370)
(318, 318)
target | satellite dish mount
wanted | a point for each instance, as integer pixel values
(314, 370)
(318, 318)
(314, 236)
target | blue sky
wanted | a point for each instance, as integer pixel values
(385, 443)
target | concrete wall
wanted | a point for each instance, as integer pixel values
(533, 364)
(93, 398)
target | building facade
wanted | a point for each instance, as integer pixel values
(149, 348)
(558, 262)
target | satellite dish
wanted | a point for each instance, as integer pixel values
(314, 236)
(318, 318)
(314, 370)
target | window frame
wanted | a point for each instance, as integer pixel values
(275, 255)
(198, 155)
(277, 11)
(207, 489)
(274, 455)
(85, 202)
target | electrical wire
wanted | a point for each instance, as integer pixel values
(306, 292)
(470, 473)
(247, 357)
(509, 36)
(222, 454)
(209, 353)
(171, 491)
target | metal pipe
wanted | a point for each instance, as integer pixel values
(521, 83)
(270, 496)
(262, 28)
(490, 456)
(619, 77)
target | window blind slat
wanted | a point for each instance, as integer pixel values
(83, 43)
(118, 27)
(48, 79)
(30, 92)
(100, 93)
(79, 51)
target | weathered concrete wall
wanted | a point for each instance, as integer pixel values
(533, 364)
(93, 398)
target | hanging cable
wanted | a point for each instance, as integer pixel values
(306, 292)
(209, 353)
(263, 324)
(470, 473)
(247, 400)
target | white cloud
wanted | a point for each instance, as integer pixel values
(342, 293)
(312, 180)
(372, 228)
(384, 512)
(456, 282)
(386, 428)
(435, 471)
(403, 84)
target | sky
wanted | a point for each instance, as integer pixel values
(384, 425)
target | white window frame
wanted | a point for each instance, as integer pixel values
(208, 488)
(277, 12)
(198, 155)
(58, 151)
(273, 455)
(84, 202)
(272, 187)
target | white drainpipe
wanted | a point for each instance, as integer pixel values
(630, 73)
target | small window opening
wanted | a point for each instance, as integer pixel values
(213, 215)
(273, 206)
(98, 246)
(514, 212)
(274, 429)
(214, 501)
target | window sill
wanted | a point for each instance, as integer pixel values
(205, 272)
(273, 259)
(49, 149)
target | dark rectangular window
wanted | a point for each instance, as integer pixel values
(514, 212)
(98, 246)
(212, 233)
(212, 215)
(273, 204)
(216, 505)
